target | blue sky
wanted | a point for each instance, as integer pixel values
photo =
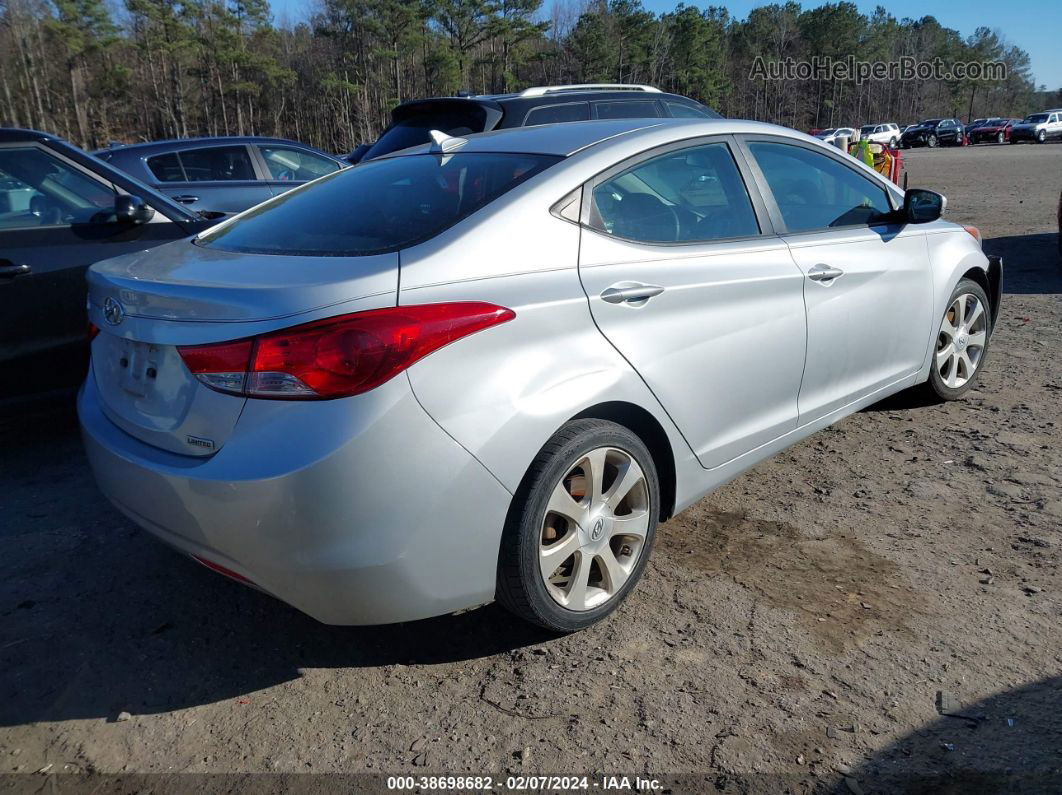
(1033, 25)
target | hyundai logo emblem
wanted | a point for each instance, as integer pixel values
(598, 529)
(113, 312)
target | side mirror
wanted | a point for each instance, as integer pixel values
(129, 209)
(922, 206)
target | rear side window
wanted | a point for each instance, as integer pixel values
(814, 191)
(378, 206)
(166, 168)
(627, 109)
(217, 164)
(680, 110)
(414, 130)
(555, 114)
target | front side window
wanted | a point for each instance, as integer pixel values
(37, 189)
(686, 196)
(814, 191)
(217, 164)
(555, 114)
(627, 109)
(286, 163)
(377, 206)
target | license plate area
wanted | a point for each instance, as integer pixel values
(138, 366)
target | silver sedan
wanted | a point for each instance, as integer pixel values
(489, 367)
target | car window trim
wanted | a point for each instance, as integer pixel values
(759, 209)
(744, 139)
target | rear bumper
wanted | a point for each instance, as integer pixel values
(356, 511)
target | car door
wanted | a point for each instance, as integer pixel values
(289, 166)
(868, 287)
(687, 280)
(56, 219)
(213, 178)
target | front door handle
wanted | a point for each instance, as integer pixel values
(186, 199)
(9, 270)
(636, 294)
(824, 273)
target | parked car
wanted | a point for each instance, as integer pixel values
(933, 133)
(412, 121)
(887, 134)
(1039, 127)
(381, 398)
(973, 125)
(61, 210)
(993, 131)
(831, 135)
(225, 174)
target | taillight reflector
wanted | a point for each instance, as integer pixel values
(338, 356)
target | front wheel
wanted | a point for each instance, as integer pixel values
(962, 342)
(893, 143)
(1000, 138)
(580, 527)
(1041, 137)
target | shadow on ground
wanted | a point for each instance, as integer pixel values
(1011, 742)
(1032, 264)
(96, 617)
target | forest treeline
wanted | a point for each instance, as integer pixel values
(94, 71)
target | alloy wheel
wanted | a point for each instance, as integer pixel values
(961, 342)
(932, 142)
(999, 138)
(594, 529)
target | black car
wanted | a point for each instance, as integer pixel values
(60, 211)
(933, 133)
(222, 174)
(412, 121)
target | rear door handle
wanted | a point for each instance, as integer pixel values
(824, 273)
(186, 199)
(9, 270)
(625, 292)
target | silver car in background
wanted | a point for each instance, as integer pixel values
(488, 368)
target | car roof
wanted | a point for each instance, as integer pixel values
(176, 143)
(567, 138)
(18, 134)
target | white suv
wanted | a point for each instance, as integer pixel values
(888, 133)
(1039, 127)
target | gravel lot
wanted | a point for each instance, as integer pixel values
(792, 631)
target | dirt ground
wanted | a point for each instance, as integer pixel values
(792, 631)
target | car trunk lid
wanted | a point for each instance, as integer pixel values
(149, 304)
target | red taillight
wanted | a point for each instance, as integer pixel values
(93, 330)
(337, 356)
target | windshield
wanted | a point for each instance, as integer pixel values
(414, 130)
(1036, 118)
(379, 206)
(866, 129)
(830, 131)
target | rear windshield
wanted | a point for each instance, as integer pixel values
(414, 130)
(378, 206)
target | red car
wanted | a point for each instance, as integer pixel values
(993, 131)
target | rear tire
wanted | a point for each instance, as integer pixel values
(580, 528)
(931, 142)
(962, 342)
